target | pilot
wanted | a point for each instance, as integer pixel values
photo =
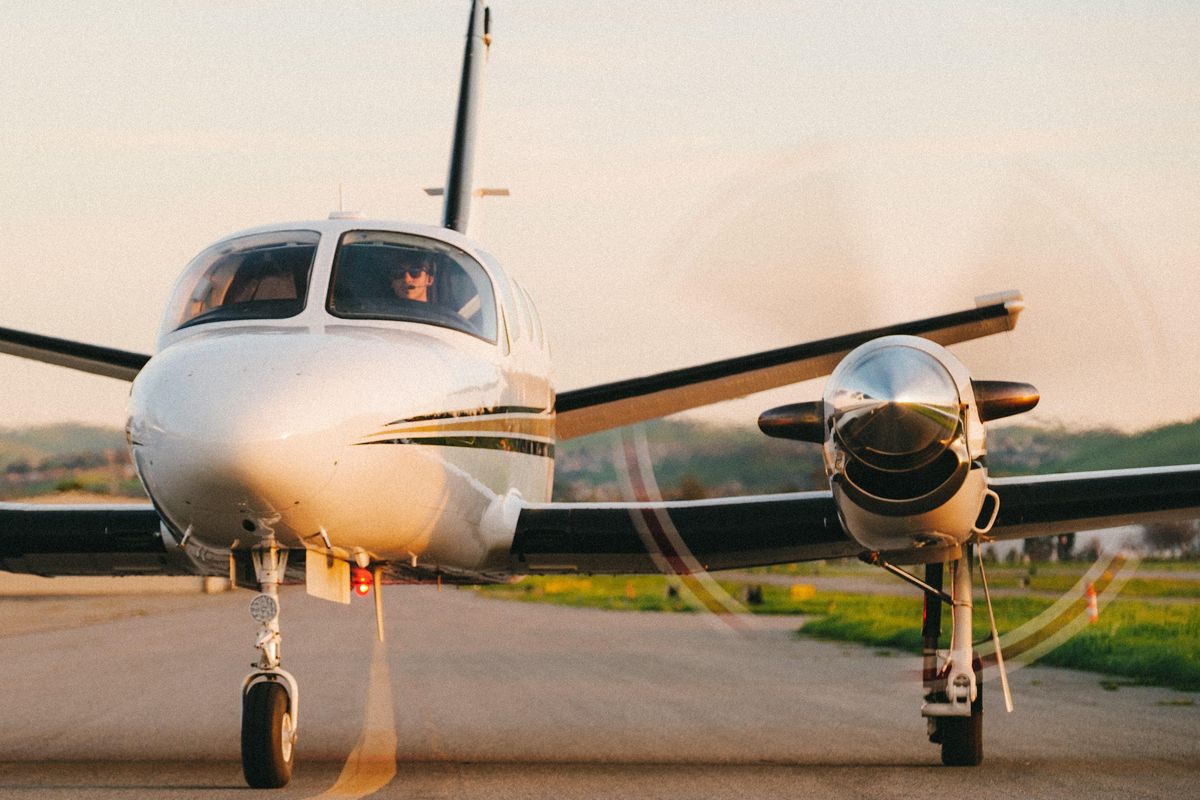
(413, 282)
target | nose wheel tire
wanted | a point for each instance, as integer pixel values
(267, 736)
(962, 737)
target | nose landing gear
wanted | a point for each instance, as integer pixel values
(270, 696)
(954, 694)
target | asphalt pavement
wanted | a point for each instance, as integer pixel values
(476, 697)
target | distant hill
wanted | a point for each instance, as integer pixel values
(690, 458)
(726, 459)
(1021, 449)
(55, 458)
(721, 460)
(35, 445)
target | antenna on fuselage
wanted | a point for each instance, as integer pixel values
(462, 152)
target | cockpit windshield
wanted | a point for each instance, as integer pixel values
(261, 276)
(399, 276)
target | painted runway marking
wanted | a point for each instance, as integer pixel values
(372, 763)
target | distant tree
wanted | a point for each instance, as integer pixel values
(692, 488)
(1090, 551)
(19, 467)
(1172, 536)
(84, 460)
(1039, 548)
(817, 479)
(1064, 546)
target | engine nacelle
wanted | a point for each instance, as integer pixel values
(901, 427)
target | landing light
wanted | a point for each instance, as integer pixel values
(360, 581)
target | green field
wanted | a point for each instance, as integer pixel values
(1053, 577)
(1145, 643)
(1136, 587)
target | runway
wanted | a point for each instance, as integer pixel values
(470, 697)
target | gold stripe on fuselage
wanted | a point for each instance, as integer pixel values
(539, 426)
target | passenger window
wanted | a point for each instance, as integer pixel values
(398, 276)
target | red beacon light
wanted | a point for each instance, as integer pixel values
(360, 581)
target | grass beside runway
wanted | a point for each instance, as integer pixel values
(1145, 643)
(1150, 644)
(1053, 577)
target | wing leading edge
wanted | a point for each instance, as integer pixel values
(1041, 505)
(627, 538)
(683, 536)
(613, 405)
(687, 536)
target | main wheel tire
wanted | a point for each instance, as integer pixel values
(267, 736)
(962, 737)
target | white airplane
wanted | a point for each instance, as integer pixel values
(348, 402)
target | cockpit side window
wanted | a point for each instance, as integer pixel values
(261, 276)
(398, 276)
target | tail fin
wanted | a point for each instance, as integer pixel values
(462, 152)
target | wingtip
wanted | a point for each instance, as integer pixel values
(1012, 299)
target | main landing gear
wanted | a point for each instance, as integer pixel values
(954, 692)
(270, 696)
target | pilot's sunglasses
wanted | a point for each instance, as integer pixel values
(412, 272)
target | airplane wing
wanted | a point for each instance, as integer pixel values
(628, 538)
(1041, 505)
(86, 540)
(682, 536)
(612, 405)
(689, 536)
(106, 361)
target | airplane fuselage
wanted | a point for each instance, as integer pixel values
(408, 440)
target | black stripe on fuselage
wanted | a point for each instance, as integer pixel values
(473, 412)
(507, 444)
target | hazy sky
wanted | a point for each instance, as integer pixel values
(690, 181)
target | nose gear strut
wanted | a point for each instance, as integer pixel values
(270, 695)
(954, 698)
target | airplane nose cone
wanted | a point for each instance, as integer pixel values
(895, 408)
(243, 432)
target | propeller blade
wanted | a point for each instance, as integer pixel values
(1008, 704)
(804, 422)
(997, 399)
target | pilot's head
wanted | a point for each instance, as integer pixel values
(412, 281)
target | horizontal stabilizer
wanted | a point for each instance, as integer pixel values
(437, 191)
(613, 405)
(106, 361)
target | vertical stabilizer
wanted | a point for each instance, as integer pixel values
(462, 154)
